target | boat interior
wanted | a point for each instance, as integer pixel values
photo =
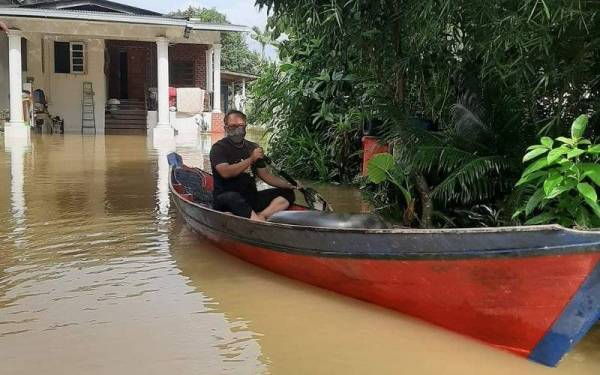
(195, 185)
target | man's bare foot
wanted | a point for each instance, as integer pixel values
(276, 205)
(257, 217)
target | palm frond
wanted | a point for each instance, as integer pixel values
(472, 181)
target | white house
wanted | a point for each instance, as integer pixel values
(126, 53)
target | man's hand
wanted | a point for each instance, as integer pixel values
(257, 154)
(3, 27)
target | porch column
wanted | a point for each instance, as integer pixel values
(162, 54)
(243, 95)
(209, 69)
(217, 78)
(17, 122)
(18, 148)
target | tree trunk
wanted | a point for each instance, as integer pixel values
(426, 201)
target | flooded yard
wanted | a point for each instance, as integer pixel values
(99, 275)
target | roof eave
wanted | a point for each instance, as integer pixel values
(117, 7)
(239, 74)
(118, 18)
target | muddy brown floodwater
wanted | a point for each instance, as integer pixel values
(99, 275)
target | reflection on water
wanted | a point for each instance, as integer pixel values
(98, 275)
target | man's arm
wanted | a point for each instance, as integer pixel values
(3, 27)
(231, 170)
(273, 180)
(227, 170)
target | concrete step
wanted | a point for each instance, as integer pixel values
(125, 131)
(138, 111)
(125, 116)
(125, 126)
(130, 108)
(125, 121)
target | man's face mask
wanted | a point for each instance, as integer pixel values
(236, 132)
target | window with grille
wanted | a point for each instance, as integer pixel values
(69, 57)
(77, 57)
(182, 74)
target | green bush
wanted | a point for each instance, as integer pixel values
(383, 169)
(490, 78)
(565, 175)
(314, 124)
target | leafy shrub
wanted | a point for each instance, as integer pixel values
(531, 66)
(313, 122)
(566, 175)
(383, 169)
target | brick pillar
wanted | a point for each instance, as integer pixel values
(217, 122)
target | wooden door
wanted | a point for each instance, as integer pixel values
(136, 72)
(112, 71)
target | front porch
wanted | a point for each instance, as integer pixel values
(59, 57)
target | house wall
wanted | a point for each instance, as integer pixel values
(195, 53)
(64, 92)
(4, 89)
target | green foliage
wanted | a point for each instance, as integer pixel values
(311, 116)
(566, 177)
(466, 162)
(383, 168)
(380, 167)
(489, 79)
(236, 56)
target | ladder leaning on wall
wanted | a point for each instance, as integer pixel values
(88, 117)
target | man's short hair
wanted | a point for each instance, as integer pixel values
(234, 112)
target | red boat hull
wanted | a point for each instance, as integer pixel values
(534, 291)
(510, 303)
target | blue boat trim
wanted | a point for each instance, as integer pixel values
(175, 160)
(582, 312)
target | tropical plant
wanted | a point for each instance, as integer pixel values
(462, 163)
(565, 173)
(382, 168)
(491, 78)
(310, 112)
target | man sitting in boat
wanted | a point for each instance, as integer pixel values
(235, 162)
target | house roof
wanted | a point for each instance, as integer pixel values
(89, 5)
(237, 76)
(82, 15)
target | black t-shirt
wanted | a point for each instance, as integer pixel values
(225, 151)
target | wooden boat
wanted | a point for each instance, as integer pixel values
(531, 290)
